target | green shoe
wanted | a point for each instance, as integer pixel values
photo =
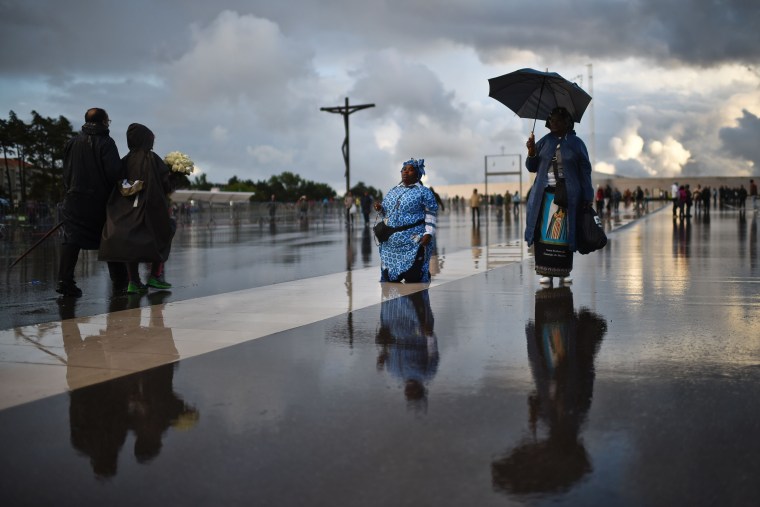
(136, 288)
(159, 283)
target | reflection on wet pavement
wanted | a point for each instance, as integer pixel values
(214, 260)
(102, 415)
(408, 347)
(562, 347)
(634, 386)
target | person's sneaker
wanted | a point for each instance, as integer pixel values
(545, 280)
(567, 280)
(158, 282)
(136, 288)
(68, 289)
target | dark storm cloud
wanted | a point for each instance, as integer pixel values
(57, 38)
(239, 83)
(742, 141)
(692, 32)
(109, 36)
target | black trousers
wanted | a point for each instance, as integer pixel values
(68, 263)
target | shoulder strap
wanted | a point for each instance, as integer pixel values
(555, 164)
(408, 226)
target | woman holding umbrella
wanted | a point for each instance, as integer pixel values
(561, 186)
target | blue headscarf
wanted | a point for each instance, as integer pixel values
(418, 164)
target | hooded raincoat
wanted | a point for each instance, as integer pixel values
(138, 227)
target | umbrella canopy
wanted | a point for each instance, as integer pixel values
(531, 93)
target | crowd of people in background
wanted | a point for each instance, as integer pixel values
(704, 198)
(609, 200)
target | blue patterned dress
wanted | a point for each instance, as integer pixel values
(404, 206)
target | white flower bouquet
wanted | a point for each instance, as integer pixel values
(178, 162)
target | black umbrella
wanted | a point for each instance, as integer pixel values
(533, 94)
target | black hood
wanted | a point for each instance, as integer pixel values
(139, 137)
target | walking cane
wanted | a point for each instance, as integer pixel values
(43, 238)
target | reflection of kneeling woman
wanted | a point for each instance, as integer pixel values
(408, 345)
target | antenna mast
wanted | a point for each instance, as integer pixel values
(592, 133)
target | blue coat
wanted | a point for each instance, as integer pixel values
(577, 170)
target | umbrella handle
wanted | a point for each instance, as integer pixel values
(540, 94)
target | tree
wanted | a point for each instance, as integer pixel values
(40, 145)
(48, 140)
(21, 143)
(200, 183)
(180, 181)
(7, 146)
(236, 185)
(290, 187)
(360, 188)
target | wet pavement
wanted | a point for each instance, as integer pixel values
(314, 385)
(214, 260)
(207, 260)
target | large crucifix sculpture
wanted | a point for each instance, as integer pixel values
(345, 111)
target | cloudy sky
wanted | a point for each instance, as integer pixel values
(238, 84)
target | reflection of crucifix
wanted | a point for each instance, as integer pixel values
(345, 111)
(350, 285)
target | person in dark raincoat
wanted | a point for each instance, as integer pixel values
(138, 227)
(91, 168)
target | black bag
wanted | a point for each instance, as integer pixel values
(383, 231)
(560, 189)
(560, 194)
(589, 233)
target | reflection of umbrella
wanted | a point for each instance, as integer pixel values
(533, 94)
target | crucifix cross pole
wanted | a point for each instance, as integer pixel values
(345, 111)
